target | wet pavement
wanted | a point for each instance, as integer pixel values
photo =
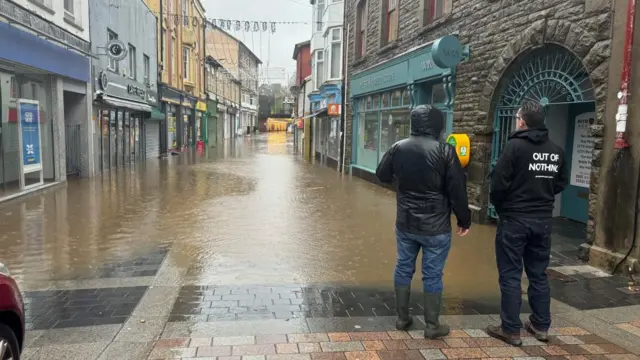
(245, 240)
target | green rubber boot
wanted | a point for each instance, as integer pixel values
(432, 306)
(404, 321)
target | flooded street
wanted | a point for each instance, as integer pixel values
(249, 213)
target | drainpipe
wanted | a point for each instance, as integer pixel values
(623, 95)
(345, 93)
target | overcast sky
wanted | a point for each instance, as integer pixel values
(275, 50)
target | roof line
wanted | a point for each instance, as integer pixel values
(216, 27)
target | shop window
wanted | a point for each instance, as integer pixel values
(433, 10)
(396, 98)
(132, 62)
(394, 126)
(438, 95)
(336, 53)
(147, 69)
(113, 64)
(361, 26)
(406, 101)
(389, 25)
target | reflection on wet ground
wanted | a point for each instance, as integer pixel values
(217, 303)
(250, 212)
(245, 231)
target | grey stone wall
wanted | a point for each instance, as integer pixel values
(497, 31)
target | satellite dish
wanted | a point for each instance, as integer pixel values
(116, 50)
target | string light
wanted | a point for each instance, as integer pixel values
(232, 24)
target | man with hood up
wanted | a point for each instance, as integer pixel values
(430, 184)
(528, 175)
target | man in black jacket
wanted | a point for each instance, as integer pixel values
(529, 174)
(430, 183)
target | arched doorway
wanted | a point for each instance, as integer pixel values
(557, 79)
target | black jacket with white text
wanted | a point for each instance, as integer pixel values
(529, 174)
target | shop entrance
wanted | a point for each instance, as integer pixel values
(556, 78)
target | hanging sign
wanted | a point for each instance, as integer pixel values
(582, 150)
(333, 110)
(462, 145)
(29, 130)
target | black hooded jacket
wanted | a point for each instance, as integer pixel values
(430, 179)
(528, 175)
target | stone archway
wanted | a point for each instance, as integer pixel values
(592, 53)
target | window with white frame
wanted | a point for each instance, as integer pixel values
(69, 7)
(147, 69)
(319, 14)
(113, 64)
(319, 68)
(335, 51)
(132, 62)
(185, 62)
(185, 13)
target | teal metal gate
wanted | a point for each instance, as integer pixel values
(550, 75)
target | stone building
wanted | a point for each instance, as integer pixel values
(557, 52)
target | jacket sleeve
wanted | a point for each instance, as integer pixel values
(457, 188)
(384, 172)
(502, 176)
(560, 181)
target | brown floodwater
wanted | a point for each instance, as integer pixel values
(248, 212)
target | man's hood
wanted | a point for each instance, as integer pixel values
(536, 136)
(427, 121)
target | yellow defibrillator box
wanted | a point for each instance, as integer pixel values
(462, 144)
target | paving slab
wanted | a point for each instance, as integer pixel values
(234, 328)
(617, 315)
(79, 335)
(84, 351)
(604, 329)
(141, 329)
(471, 343)
(126, 350)
(156, 302)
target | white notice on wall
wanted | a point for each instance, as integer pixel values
(582, 151)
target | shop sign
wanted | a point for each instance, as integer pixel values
(323, 104)
(29, 138)
(423, 66)
(391, 76)
(582, 150)
(104, 80)
(462, 144)
(333, 110)
(136, 90)
(169, 95)
(152, 98)
(201, 106)
(447, 52)
(31, 20)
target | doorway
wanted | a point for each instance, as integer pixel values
(556, 78)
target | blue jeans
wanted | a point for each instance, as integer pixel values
(524, 241)
(435, 250)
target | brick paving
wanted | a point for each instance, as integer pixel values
(570, 343)
(219, 303)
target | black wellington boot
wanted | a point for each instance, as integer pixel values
(404, 321)
(432, 306)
